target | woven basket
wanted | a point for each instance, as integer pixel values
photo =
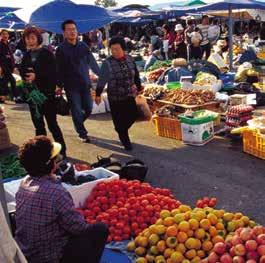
(4, 139)
(167, 127)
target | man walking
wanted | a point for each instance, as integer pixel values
(8, 62)
(73, 62)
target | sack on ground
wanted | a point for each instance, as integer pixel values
(144, 112)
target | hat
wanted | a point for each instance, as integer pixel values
(179, 62)
(56, 149)
(179, 27)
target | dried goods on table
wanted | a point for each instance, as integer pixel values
(190, 97)
(154, 92)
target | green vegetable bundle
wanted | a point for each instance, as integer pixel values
(11, 167)
(160, 64)
(33, 96)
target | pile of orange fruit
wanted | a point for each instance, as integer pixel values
(186, 235)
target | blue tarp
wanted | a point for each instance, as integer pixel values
(4, 10)
(11, 21)
(88, 17)
(172, 5)
(135, 21)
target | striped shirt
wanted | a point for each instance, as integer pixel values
(204, 31)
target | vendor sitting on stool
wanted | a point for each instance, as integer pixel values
(156, 55)
(49, 229)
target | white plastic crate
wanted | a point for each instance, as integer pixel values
(79, 193)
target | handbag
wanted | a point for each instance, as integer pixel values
(62, 106)
(144, 113)
(134, 170)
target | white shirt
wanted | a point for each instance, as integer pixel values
(45, 39)
(195, 37)
(213, 32)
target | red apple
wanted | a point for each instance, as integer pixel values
(226, 258)
(213, 257)
(240, 250)
(262, 259)
(246, 234)
(219, 248)
(261, 239)
(252, 255)
(238, 259)
(261, 250)
(251, 261)
(238, 231)
(258, 230)
(251, 245)
(232, 251)
(236, 240)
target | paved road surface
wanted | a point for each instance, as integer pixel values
(218, 169)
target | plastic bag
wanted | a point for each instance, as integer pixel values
(143, 109)
(62, 106)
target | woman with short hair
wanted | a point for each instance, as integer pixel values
(119, 71)
(38, 68)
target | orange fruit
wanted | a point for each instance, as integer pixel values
(184, 208)
(176, 257)
(207, 246)
(212, 231)
(201, 254)
(184, 226)
(219, 226)
(199, 244)
(187, 215)
(190, 254)
(168, 252)
(205, 224)
(194, 224)
(217, 239)
(161, 246)
(181, 248)
(169, 221)
(213, 219)
(200, 233)
(182, 237)
(201, 214)
(191, 243)
(190, 233)
(196, 260)
(238, 215)
(172, 231)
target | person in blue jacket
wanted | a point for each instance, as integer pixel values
(152, 59)
(74, 59)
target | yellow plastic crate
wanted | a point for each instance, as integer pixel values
(167, 127)
(254, 143)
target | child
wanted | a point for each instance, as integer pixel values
(195, 48)
(3, 84)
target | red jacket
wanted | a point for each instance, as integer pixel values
(171, 39)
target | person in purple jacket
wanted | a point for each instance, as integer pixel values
(49, 228)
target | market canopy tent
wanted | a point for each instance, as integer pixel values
(5, 10)
(11, 21)
(51, 15)
(174, 5)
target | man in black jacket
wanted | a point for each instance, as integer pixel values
(38, 68)
(8, 62)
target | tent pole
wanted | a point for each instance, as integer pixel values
(230, 38)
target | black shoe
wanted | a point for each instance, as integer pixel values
(128, 147)
(125, 140)
(85, 139)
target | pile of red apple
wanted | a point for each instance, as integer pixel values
(245, 246)
(206, 202)
(127, 207)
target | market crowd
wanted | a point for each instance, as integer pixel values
(49, 229)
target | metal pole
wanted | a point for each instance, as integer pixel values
(231, 24)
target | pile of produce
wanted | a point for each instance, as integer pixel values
(186, 235)
(246, 245)
(127, 207)
(2, 118)
(203, 78)
(155, 74)
(238, 116)
(154, 92)
(168, 111)
(160, 64)
(190, 97)
(11, 167)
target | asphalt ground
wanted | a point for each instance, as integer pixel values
(219, 169)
